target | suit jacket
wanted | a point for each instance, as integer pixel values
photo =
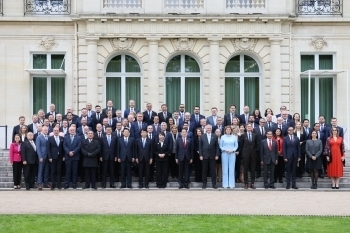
(209, 150)
(157, 129)
(28, 153)
(193, 119)
(62, 130)
(126, 151)
(80, 130)
(183, 151)
(147, 119)
(104, 112)
(266, 155)
(144, 153)
(109, 151)
(191, 127)
(216, 127)
(15, 131)
(210, 120)
(159, 149)
(78, 122)
(96, 137)
(74, 117)
(94, 120)
(327, 131)
(117, 134)
(127, 112)
(303, 138)
(90, 150)
(41, 146)
(248, 147)
(54, 151)
(273, 127)
(291, 148)
(135, 131)
(162, 119)
(31, 128)
(242, 119)
(227, 118)
(259, 137)
(74, 146)
(289, 116)
(313, 148)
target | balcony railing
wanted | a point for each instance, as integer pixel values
(246, 6)
(319, 7)
(47, 7)
(184, 6)
(123, 6)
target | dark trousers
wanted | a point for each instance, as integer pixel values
(257, 163)
(108, 165)
(144, 171)
(17, 173)
(162, 168)
(209, 164)
(116, 171)
(71, 172)
(174, 170)
(197, 167)
(56, 168)
(184, 172)
(269, 167)
(29, 174)
(151, 170)
(81, 170)
(324, 163)
(291, 168)
(125, 167)
(279, 168)
(90, 177)
(238, 166)
(301, 168)
(249, 163)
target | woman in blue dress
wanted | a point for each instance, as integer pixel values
(228, 145)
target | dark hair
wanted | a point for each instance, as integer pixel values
(232, 105)
(20, 138)
(315, 132)
(278, 129)
(97, 106)
(266, 112)
(161, 133)
(21, 117)
(259, 115)
(269, 131)
(306, 120)
(294, 116)
(126, 128)
(108, 127)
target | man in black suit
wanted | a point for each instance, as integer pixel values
(17, 128)
(156, 125)
(244, 118)
(269, 124)
(284, 108)
(30, 160)
(108, 157)
(90, 150)
(84, 115)
(229, 116)
(208, 154)
(137, 126)
(219, 125)
(51, 112)
(126, 157)
(111, 121)
(32, 126)
(96, 117)
(291, 154)
(143, 157)
(164, 115)
(131, 109)
(184, 157)
(187, 119)
(72, 117)
(55, 153)
(118, 117)
(196, 116)
(269, 158)
(260, 135)
(64, 128)
(249, 142)
(286, 122)
(283, 128)
(109, 107)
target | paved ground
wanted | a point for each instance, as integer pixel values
(261, 202)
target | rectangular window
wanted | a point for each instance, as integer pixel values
(132, 90)
(173, 93)
(192, 92)
(113, 91)
(232, 94)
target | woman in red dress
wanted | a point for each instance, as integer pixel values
(335, 156)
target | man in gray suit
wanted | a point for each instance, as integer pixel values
(208, 154)
(44, 165)
(212, 119)
(268, 158)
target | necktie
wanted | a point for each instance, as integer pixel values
(149, 115)
(143, 142)
(45, 138)
(270, 145)
(269, 125)
(291, 138)
(109, 140)
(110, 122)
(140, 126)
(33, 145)
(249, 137)
(57, 141)
(184, 140)
(262, 131)
(71, 139)
(197, 118)
(99, 134)
(98, 117)
(150, 136)
(89, 140)
(119, 134)
(126, 141)
(164, 114)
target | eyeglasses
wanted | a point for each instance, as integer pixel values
(335, 130)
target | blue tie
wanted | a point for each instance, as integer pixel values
(143, 142)
(109, 140)
(126, 142)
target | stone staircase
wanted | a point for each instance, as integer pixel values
(6, 180)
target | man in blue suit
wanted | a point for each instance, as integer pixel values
(328, 130)
(211, 120)
(196, 116)
(244, 118)
(126, 157)
(184, 157)
(137, 126)
(44, 166)
(291, 154)
(83, 116)
(131, 109)
(71, 146)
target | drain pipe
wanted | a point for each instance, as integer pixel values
(76, 65)
(290, 66)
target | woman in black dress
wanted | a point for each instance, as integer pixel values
(313, 150)
(196, 161)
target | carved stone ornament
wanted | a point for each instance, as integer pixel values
(244, 44)
(318, 43)
(47, 42)
(182, 44)
(122, 43)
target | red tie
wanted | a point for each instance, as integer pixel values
(184, 142)
(270, 145)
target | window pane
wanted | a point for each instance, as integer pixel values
(250, 65)
(174, 64)
(173, 93)
(57, 61)
(192, 92)
(131, 65)
(191, 65)
(233, 65)
(232, 93)
(251, 92)
(113, 91)
(39, 61)
(305, 100)
(307, 62)
(326, 98)
(39, 94)
(326, 62)
(132, 90)
(115, 64)
(58, 93)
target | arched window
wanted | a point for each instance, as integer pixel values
(182, 83)
(123, 81)
(242, 77)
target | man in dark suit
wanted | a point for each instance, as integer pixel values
(70, 115)
(189, 133)
(89, 110)
(32, 126)
(149, 114)
(118, 132)
(260, 135)
(108, 157)
(248, 144)
(306, 127)
(269, 124)
(208, 154)
(291, 154)
(283, 128)
(229, 116)
(90, 150)
(78, 121)
(71, 146)
(191, 124)
(156, 125)
(219, 125)
(184, 157)
(334, 124)
(164, 115)
(111, 121)
(244, 118)
(196, 116)
(51, 112)
(131, 109)
(137, 126)
(17, 128)
(96, 117)
(284, 108)
(143, 157)
(29, 159)
(65, 128)
(126, 158)
(269, 158)
(323, 124)
(109, 107)
(286, 122)
(118, 117)
(55, 154)
(44, 166)
(211, 120)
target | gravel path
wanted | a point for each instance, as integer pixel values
(256, 202)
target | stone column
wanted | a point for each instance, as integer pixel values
(92, 74)
(153, 72)
(214, 74)
(275, 74)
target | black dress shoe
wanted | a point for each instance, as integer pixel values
(288, 187)
(74, 186)
(146, 186)
(315, 186)
(333, 187)
(336, 187)
(123, 186)
(266, 187)
(85, 187)
(27, 188)
(204, 186)
(140, 186)
(187, 187)
(59, 187)
(258, 175)
(321, 176)
(214, 186)
(66, 187)
(129, 186)
(95, 188)
(112, 186)
(295, 187)
(181, 186)
(272, 187)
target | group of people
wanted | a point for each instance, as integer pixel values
(103, 143)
